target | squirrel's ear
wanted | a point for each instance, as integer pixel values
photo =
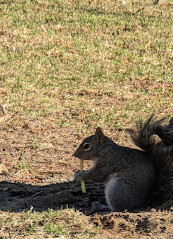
(99, 134)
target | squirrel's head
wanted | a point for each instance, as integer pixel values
(89, 148)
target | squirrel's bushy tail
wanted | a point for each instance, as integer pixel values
(156, 139)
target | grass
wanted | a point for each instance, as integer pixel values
(55, 55)
(77, 64)
(66, 223)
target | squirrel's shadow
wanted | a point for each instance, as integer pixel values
(17, 197)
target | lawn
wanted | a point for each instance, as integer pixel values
(67, 67)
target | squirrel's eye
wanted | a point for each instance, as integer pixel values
(86, 146)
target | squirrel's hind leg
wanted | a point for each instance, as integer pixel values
(121, 195)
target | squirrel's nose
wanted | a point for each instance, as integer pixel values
(76, 154)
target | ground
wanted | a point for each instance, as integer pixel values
(39, 179)
(66, 68)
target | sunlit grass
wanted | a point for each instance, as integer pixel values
(52, 49)
(67, 223)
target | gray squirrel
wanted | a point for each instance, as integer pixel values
(131, 177)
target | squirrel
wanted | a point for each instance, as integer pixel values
(132, 177)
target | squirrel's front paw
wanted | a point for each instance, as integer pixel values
(78, 176)
(77, 179)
